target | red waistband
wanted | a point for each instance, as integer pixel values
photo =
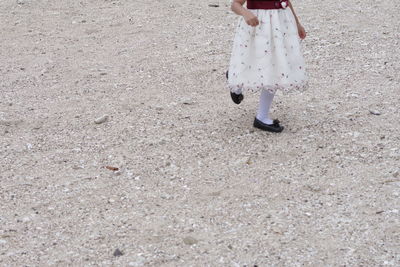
(267, 4)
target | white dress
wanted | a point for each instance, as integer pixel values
(268, 56)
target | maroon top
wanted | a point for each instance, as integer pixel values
(267, 4)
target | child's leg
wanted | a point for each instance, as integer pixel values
(236, 98)
(264, 107)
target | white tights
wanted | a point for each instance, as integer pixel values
(264, 107)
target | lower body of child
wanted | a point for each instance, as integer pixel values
(266, 58)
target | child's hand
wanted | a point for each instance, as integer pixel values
(251, 19)
(302, 31)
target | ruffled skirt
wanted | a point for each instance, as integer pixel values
(268, 56)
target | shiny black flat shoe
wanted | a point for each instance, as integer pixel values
(275, 127)
(236, 98)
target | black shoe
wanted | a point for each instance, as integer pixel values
(274, 127)
(236, 98)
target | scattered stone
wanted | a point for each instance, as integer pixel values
(313, 188)
(2, 241)
(112, 168)
(26, 219)
(188, 101)
(167, 197)
(215, 194)
(277, 230)
(213, 5)
(101, 119)
(245, 160)
(375, 112)
(249, 161)
(37, 126)
(396, 174)
(190, 241)
(118, 253)
(139, 261)
(10, 122)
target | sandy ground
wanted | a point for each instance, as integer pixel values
(196, 185)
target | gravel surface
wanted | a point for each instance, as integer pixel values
(121, 146)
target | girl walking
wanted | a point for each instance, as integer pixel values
(266, 55)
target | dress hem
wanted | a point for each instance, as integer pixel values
(285, 88)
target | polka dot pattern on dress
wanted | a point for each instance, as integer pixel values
(269, 56)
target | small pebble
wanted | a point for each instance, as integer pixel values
(101, 119)
(139, 261)
(375, 112)
(215, 194)
(188, 101)
(118, 253)
(26, 219)
(190, 241)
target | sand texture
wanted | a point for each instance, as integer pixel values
(120, 145)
